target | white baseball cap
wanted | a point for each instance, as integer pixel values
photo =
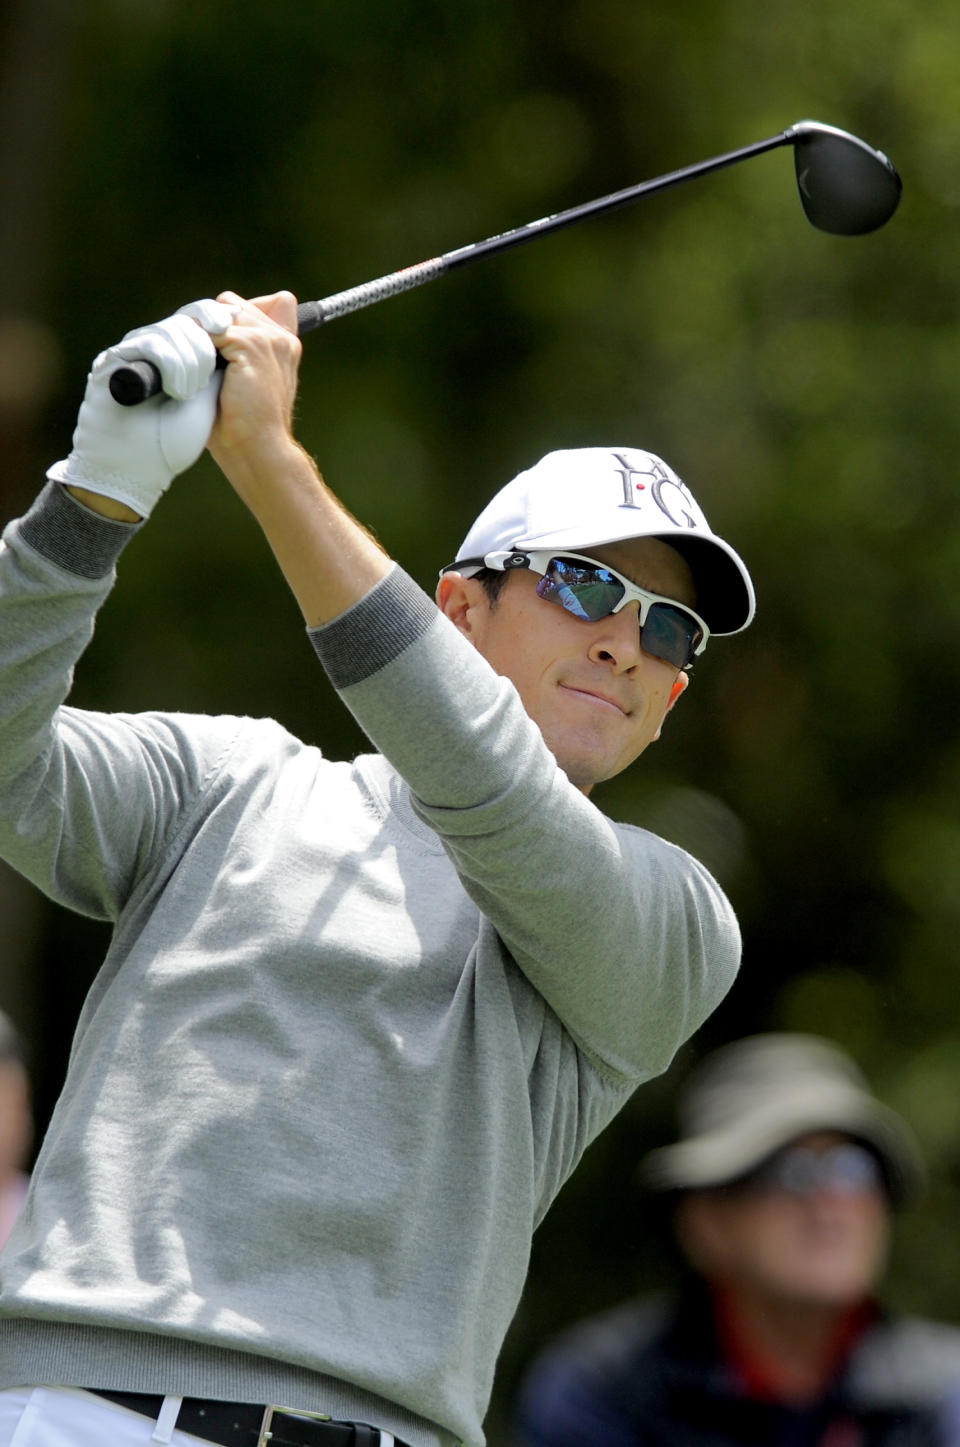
(585, 496)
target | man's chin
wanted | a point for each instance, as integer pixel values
(586, 766)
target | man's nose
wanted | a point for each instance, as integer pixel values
(617, 639)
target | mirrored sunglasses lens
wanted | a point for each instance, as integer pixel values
(845, 1169)
(670, 635)
(852, 1169)
(582, 588)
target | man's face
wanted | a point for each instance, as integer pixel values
(825, 1247)
(598, 699)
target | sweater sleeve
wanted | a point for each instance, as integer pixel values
(628, 938)
(87, 800)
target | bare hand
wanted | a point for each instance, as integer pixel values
(255, 418)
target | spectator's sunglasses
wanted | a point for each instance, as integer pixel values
(668, 630)
(798, 1170)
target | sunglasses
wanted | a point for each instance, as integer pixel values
(799, 1171)
(590, 590)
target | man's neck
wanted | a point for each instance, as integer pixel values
(785, 1351)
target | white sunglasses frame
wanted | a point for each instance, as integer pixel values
(537, 560)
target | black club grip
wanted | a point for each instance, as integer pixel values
(133, 382)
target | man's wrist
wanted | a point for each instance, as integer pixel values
(255, 465)
(108, 507)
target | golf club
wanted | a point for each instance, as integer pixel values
(846, 188)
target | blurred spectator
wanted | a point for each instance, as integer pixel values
(780, 1192)
(16, 1125)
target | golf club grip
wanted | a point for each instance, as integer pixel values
(312, 314)
(134, 382)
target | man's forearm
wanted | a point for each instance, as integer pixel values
(328, 558)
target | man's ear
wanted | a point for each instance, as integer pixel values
(680, 685)
(462, 600)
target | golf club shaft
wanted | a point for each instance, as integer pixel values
(313, 314)
(135, 381)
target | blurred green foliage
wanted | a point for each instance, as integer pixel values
(805, 385)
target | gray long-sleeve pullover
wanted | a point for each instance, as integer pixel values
(356, 1024)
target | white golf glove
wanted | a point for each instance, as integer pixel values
(132, 454)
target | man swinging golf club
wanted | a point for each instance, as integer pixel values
(357, 1021)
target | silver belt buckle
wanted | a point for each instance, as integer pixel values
(386, 1439)
(268, 1414)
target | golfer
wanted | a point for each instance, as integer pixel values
(358, 1020)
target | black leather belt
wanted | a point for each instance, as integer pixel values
(242, 1424)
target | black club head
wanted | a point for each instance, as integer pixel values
(846, 187)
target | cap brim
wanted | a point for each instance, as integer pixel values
(717, 1158)
(725, 596)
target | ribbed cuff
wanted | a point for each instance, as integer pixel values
(375, 631)
(72, 536)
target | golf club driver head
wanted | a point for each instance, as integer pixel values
(846, 187)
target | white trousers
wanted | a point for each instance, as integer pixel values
(61, 1417)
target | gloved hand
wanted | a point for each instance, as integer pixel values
(132, 454)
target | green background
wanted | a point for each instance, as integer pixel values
(804, 386)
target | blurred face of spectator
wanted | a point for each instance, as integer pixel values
(809, 1228)
(16, 1126)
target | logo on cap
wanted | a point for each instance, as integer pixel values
(666, 490)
